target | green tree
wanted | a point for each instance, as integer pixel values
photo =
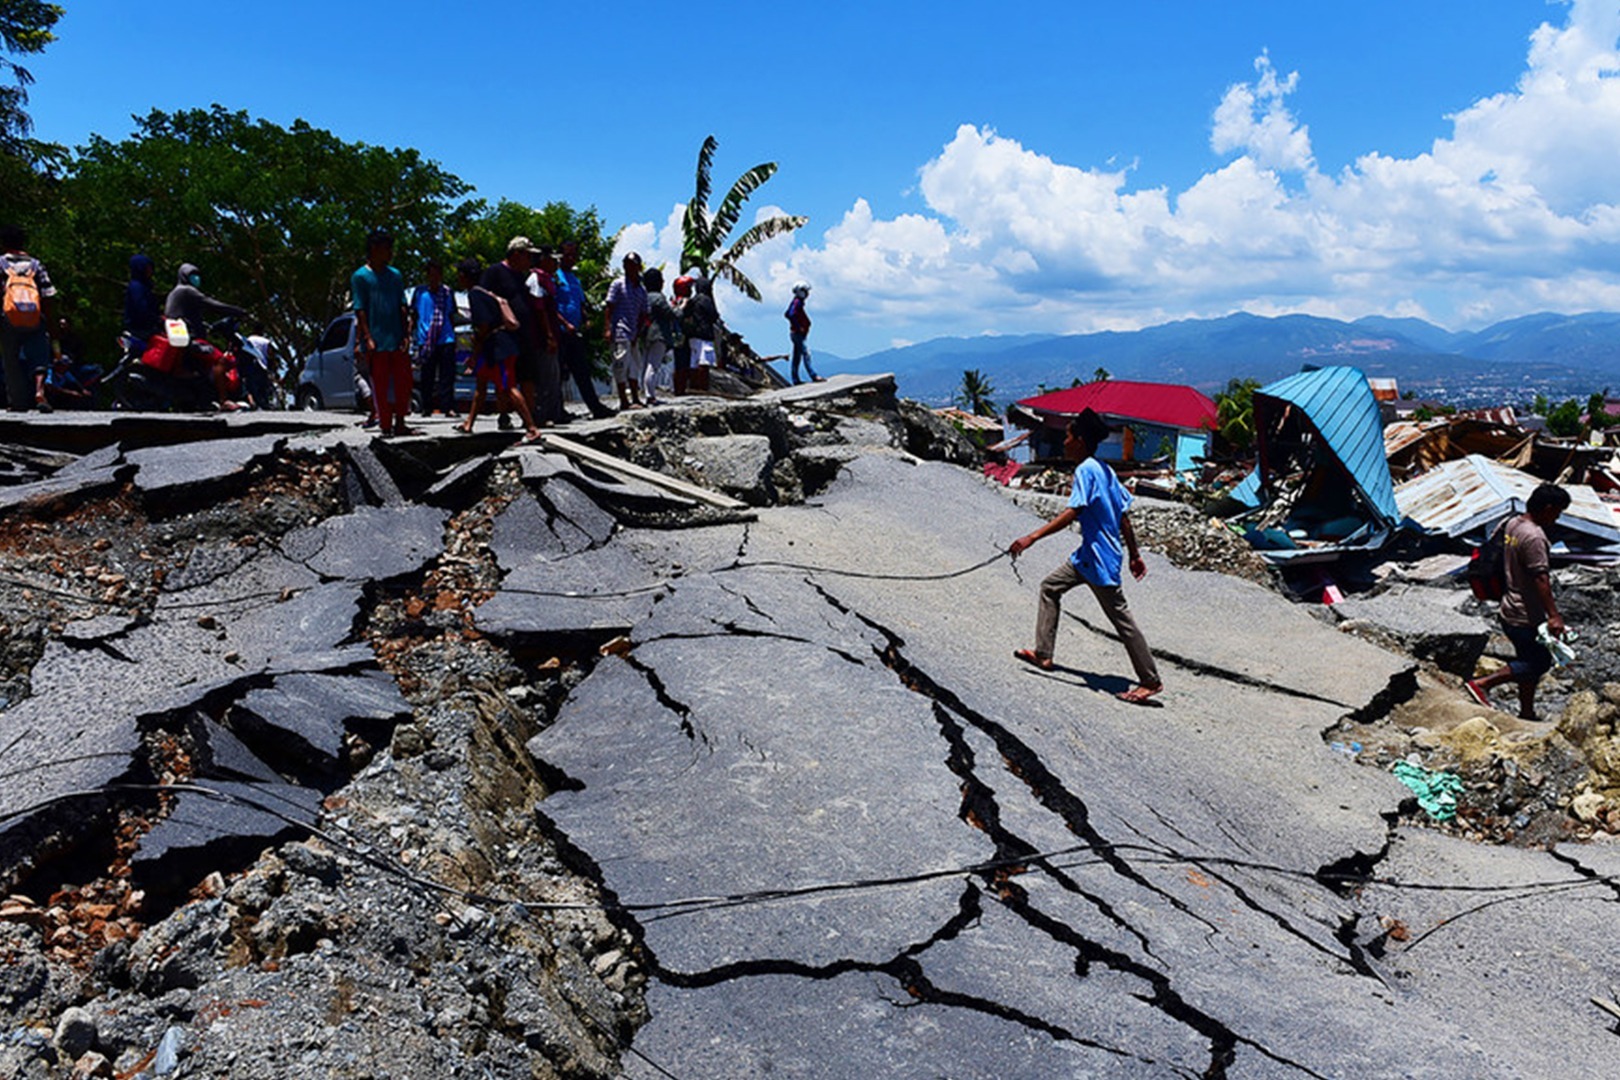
(26, 166)
(25, 29)
(1234, 411)
(704, 232)
(275, 217)
(1564, 420)
(1102, 374)
(484, 232)
(974, 394)
(1597, 414)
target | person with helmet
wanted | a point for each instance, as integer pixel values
(798, 330)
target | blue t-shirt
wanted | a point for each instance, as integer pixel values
(1101, 500)
(570, 297)
(382, 297)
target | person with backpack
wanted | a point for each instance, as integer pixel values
(1527, 600)
(700, 322)
(495, 349)
(799, 330)
(25, 341)
(660, 334)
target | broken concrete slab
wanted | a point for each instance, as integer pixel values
(461, 483)
(608, 489)
(218, 823)
(713, 752)
(597, 593)
(738, 465)
(371, 543)
(376, 484)
(301, 719)
(1426, 622)
(169, 476)
(227, 757)
(52, 490)
(568, 503)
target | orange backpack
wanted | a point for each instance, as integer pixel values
(22, 296)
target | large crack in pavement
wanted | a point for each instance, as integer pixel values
(980, 809)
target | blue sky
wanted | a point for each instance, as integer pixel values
(971, 168)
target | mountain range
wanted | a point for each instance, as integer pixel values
(1511, 361)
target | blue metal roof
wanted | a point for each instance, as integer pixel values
(1340, 405)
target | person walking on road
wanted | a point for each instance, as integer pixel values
(799, 330)
(25, 341)
(1527, 600)
(381, 317)
(1100, 504)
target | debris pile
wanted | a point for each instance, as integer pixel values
(268, 691)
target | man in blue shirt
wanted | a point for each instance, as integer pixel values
(1100, 504)
(434, 341)
(571, 346)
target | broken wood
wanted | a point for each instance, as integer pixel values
(581, 452)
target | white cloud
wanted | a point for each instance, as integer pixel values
(1514, 210)
(1253, 119)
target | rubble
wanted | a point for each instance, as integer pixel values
(445, 756)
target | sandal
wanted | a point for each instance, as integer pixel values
(1030, 657)
(1139, 695)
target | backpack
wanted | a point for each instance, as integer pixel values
(1487, 573)
(22, 296)
(508, 319)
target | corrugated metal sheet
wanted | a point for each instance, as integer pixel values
(1340, 405)
(1475, 493)
(970, 421)
(1154, 403)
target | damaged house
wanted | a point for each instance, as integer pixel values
(1321, 487)
(1152, 420)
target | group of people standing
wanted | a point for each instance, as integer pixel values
(644, 327)
(528, 314)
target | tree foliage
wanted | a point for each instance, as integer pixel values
(974, 395)
(1564, 419)
(1234, 412)
(704, 232)
(275, 217)
(25, 29)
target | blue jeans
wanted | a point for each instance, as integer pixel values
(437, 378)
(801, 352)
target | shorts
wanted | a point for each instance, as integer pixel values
(626, 361)
(1531, 659)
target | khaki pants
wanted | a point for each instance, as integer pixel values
(1112, 599)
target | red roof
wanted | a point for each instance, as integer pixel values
(1152, 403)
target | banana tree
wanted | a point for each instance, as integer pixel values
(704, 232)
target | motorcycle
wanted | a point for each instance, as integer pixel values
(173, 371)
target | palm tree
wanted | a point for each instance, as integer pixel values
(974, 393)
(1102, 374)
(704, 233)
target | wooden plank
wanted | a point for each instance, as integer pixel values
(596, 457)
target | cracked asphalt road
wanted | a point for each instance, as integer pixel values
(776, 729)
